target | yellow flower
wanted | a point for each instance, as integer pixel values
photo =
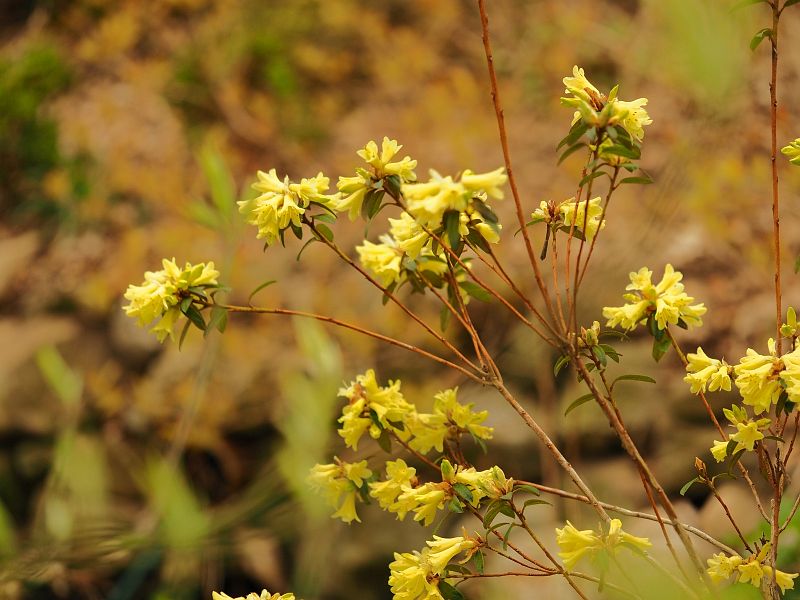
(340, 483)
(790, 376)
(578, 85)
(490, 182)
(719, 450)
(757, 377)
(264, 595)
(398, 476)
(792, 150)
(162, 291)
(449, 419)
(353, 191)
(281, 203)
(575, 544)
(411, 577)
(424, 501)
(632, 116)
(382, 164)
(704, 371)
(383, 260)
(747, 435)
(592, 221)
(365, 398)
(751, 572)
(442, 550)
(427, 202)
(409, 235)
(785, 581)
(666, 301)
(721, 566)
(354, 423)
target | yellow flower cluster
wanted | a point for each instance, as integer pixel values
(705, 372)
(372, 408)
(748, 432)
(721, 567)
(563, 216)
(282, 202)
(416, 575)
(341, 482)
(792, 150)
(264, 595)
(576, 544)
(597, 110)
(402, 494)
(354, 190)
(162, 292)
(428, 201)
(666, 301)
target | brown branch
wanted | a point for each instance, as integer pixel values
(352, 327)
(498, 110)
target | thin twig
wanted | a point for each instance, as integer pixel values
(352, 327)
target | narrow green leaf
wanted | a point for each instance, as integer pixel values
(325, 218)
(574, 134)
(184, 331)
(258, 289)
(641, 180)
(463, 491)
(527, 488)
(759, 37)
(476, 291)
(562, 362)
(570, 151)
(218, 320)
(797, 265)
(687, 485)
(478, 559)
(303, 248)
(185, 304)
(451, 221)
(576, 403)
(643, 378)
(195, 317)
(325, 231)
(591, 176)
(660, 348)
(789, 3)
(448, 592)
(620, 150)
(385, 441)
(534, 502)
(491, 513)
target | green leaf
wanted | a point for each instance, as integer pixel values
(444, 318)
(66, 384)
(218, 320)
(600, 355)
(393, 185)
(451, 221)
(220, 182)
(491, 513)
(743, 3)
(797, 265)
(478, 559)
(576, 403)
(619, 150)
(759, 37)
(562, 362)
(486, 213)
(642, 180)
(195, 317)
(574, 134)
(325, 218)
(185, 304)
(534, 502)
(591, 176)
(660, 347)
(643, 378)
(527, 488)
(455, 505)
(687, 485)
(476, 291)
(303, 248)
(448, 592)
(789, 3)
(463, 491)
(385, 441)
(570, 151)
(184, 331)
(325, 231)
(258, 289)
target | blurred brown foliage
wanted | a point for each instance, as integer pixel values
(134, 470)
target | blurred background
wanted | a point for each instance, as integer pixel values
(129, 129)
